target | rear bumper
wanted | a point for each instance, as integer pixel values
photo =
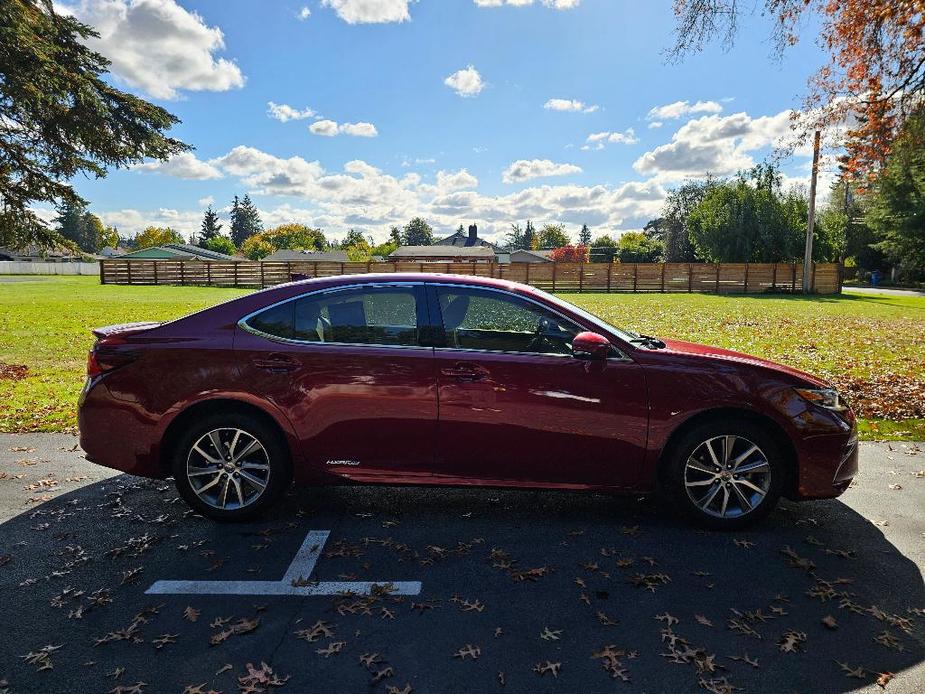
(117, 434)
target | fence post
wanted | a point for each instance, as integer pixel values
(746, 278)
(528, 273)
(663, 278)
(609, 276)
(774, 277)
(342, 266)
(581, 277)
(155, 274)
(841, 274)
(812, 280)
(102, 272)
(690, 278)
(209, 273)
(128, 268)
(793, 279)
(262, 284)
(369, 265)
(717, 279)
(635, 276)
(554, 275)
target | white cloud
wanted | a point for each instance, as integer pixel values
(330, 128)
(206, 201)
(720, 145)
(555, 4)
(598, 140)
(465, 82)
(184, 165)
(456, 180)
(525, 170)
(569, 105)
(679, 109)
(158, 46)
(370, 11)
(655, 124)
(284, 113)
(304, 14)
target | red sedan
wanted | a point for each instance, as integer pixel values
(436, 379)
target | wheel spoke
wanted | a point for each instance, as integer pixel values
(224, 497)
(750, 485)
(722, 511)
(695, 465)
(752, 467)
(200, 471)
(254, 466)
(742, 458)
(209, 485)
(217, 442)
(237, 488)
(701, 483)
(729, 443)
(234, 442)
(709, 445)
(705, 502)
(253, 446)
(746, 504)
(207, 456)
(255, 481)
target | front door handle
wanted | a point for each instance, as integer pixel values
(466, 372)
(276, 363)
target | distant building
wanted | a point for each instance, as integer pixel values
(37, 254)
(461, 239)
(110, 252)
(290, 256)
(444, 254)
(177, 251)
(525, 256)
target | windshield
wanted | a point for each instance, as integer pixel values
(627, 335)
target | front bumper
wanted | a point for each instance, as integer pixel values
(827, 464)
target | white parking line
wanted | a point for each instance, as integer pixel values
(299, 570)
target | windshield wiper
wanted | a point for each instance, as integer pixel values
(648, 341)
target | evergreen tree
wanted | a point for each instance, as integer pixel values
(530, 240)
(418, 233)
(76, 224)
(515, 238)
(584, 236)
(245, 220)
(210, 226)
(395, 236)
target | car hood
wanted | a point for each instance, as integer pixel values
(717, 353)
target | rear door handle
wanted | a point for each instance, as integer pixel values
(276, 363)
(466, 372)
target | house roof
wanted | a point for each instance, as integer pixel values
(176, 251)
(35, 251)
(287, 255)
(443, 252)
(460, 239)
(545, 255)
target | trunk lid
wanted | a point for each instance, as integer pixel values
(124, 329)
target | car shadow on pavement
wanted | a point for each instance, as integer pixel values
(522, 591)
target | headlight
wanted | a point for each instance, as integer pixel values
(824, 397)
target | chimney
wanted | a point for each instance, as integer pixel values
(473, 234)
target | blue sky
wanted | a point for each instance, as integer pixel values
(455, 110)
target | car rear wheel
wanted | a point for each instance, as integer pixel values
(231, 467)
(725, 475)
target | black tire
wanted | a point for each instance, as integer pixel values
(721, 480)
(272, 454)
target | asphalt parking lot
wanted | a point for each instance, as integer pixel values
(519, 591)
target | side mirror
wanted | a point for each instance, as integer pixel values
(588, 345)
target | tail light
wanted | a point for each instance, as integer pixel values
(103, 358)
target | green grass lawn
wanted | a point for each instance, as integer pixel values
(872, 347)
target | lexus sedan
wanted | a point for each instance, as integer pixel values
(445, 380)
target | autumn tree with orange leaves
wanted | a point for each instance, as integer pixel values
(875, 75)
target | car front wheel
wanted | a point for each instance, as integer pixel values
(726, 475)
(230, 467)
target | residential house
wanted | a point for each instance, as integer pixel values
(177, 251)
(524, 256)
(444, 254)
(461, 239)
(37, 254)
(290, 256)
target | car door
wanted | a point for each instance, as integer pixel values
(349, 369)
(517, 408)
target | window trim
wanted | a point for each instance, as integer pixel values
(620, 355)
(419, 295)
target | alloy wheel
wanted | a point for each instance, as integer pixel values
(228, 468)
(727, 476)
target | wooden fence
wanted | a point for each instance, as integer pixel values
(724, 278)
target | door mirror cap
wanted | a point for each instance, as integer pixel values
(588, 345)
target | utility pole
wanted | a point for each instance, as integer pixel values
(808, 256)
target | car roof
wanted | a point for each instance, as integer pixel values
(432, 277)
